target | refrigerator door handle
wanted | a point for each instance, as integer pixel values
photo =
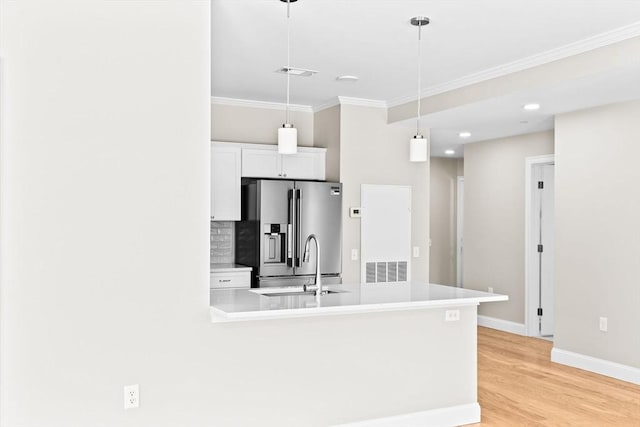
(298, 215)
(290, 227)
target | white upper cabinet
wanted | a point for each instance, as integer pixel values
(304, 165)
(261, 163)
(226, 161)
(265, 162)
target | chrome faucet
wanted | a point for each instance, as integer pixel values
(305, 258)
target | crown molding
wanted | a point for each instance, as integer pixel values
(361, 102)
(345, 100)
(217, 100)
(576, 48)
(330, 103)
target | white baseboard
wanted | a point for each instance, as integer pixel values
(442, 417)
(599, 366)
(502, 325)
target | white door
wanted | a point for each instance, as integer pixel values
(543, 233)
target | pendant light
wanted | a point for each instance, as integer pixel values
(287, 134)
(418, 144)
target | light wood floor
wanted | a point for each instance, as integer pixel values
(519, 386)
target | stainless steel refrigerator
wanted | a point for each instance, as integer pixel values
(277, 218)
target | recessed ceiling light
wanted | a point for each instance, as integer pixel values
(301, 72)
(449, 152)
(464, 134)
(531, 107)
(347, 78)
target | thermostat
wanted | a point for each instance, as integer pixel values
(355, 212)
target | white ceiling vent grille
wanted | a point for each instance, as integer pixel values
(386, 271)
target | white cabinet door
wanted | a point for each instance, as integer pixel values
(225, 182)
(258, 163)
(304, 165)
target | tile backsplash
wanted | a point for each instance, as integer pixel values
(222, 237)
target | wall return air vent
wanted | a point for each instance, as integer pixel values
(386, 271)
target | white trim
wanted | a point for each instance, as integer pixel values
(459, 226)
(361, 102)
(501, 325)
(330, 103)
(442, 417)
(217, 100)
(581, 46)
(268, 146)
(339, 100)
(599, 366)
(530, 315)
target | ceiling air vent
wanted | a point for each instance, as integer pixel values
(301, 72)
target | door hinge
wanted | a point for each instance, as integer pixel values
(540, 248)
(540, 311)
(540, 184)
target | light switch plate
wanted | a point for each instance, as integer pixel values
(604, 324)
(416, 251)
(354, 254)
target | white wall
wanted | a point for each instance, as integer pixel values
(104, 206)
(494, 218)
(326, 131)
(373, 152)
(442, 219)
(597, 237)
(234, 123)
(104, 225)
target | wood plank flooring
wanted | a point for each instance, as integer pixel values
(519, 386)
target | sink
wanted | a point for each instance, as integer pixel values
(289, 292)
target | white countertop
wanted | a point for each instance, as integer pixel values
(228, 267)
(229, 305)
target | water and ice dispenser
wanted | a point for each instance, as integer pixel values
(275, 243)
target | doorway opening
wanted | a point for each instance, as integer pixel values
(539, 246)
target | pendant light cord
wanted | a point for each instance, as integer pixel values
(288, 59)
(419, 79)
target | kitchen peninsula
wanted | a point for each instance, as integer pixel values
(407, 349)
(228, 305)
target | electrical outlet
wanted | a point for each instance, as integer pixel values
(603, 324)
(131, 396)
(490, 289)
(451, 315)
(416, 251)
(354, 254)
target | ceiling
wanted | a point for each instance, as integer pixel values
(372, 39)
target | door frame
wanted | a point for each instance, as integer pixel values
(530, 288)
(459, 228)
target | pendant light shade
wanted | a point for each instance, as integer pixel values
(418, 150)
(287, 134)
(418, 145)
(287, 139)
